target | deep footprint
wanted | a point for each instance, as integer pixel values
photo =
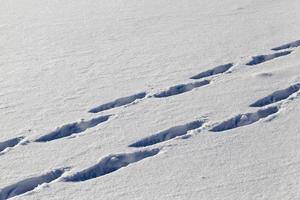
(245, 119)
(10, 143)
(110, 164)
(182, 88)
(167, 134)
(277, 96)
(217, 70)
(287, 46)
(29, 184)
(73, 128)
(264, 58)
(118, 102)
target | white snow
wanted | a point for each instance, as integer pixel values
(98, 99)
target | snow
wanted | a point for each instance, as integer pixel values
(98, 99)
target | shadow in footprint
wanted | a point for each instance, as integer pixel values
(167, 134)
(264, 58)
(217, 70)
(10, 143)
(245, 119)
(277, 96)
(29, 184)
(287, 46)
(118, 102)
(182, 88)
(110, 164)
(73, 128)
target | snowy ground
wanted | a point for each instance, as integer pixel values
(152, 99)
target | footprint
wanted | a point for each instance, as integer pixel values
(217, 70)
(245, 119)
(182, 88)
(277, 96)
(10, 143)
(73, 128)
(118, 102)
(287, 46)
(264, 58)
(167, 134)
(110, 164)
(29, 184)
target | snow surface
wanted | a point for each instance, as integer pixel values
(98, 99)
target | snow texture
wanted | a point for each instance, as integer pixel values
(180, 100)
